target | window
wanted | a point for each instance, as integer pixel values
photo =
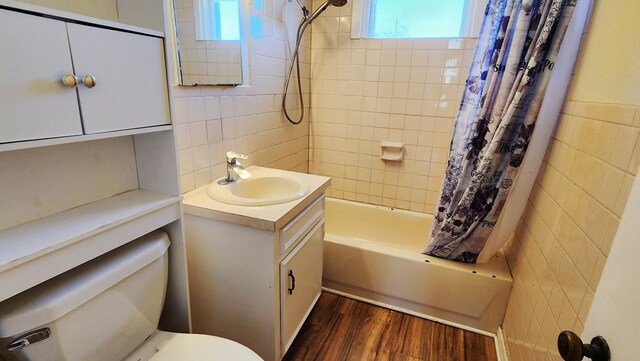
(416, 18)
(217, 19)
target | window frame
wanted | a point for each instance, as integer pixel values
(471, 19)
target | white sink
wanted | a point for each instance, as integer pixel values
(260, 190)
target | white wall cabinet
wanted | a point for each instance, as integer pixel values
(242, 278)
(84, 170)
(129, 91)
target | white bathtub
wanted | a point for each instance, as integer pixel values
(374, 254)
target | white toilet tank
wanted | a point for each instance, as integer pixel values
(98, 311)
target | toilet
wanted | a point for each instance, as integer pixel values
(106, 310)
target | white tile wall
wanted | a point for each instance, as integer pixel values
(368, 91)
(212, 120)
(563, 240)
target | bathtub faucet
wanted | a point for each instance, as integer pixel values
(235, 170)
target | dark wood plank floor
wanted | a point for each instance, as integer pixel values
(340, 329)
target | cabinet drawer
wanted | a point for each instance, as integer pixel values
(300, 226)
(300, 284)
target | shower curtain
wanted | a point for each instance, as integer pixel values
(516, 52)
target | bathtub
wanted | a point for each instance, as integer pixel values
(373, 254)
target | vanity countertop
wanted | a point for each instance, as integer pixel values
(269, 218)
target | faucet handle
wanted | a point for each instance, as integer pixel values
(232, 156)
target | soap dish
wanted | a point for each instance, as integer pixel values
(392, 151)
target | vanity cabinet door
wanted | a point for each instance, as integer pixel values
(34, 55)
(300, 284)
(130, 88)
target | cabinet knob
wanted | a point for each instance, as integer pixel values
(572, 349)
(70, 81)
(89, 81)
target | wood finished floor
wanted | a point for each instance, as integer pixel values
(340, 329)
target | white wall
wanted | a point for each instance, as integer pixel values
(609, 69)
(102, 9)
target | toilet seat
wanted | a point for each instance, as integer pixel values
(168, 346)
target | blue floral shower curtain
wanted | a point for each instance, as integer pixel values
(516, 52)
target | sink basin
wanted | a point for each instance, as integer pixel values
(260, 190)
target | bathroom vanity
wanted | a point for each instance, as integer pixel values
(255, 272)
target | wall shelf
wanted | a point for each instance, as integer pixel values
(27, 144)
(32, 252)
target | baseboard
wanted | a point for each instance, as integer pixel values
(501, 345)
(411, 312)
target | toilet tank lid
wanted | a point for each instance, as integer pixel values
(58, 296)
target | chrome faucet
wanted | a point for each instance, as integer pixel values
(235, 170)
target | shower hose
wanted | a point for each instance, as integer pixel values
(295, 60)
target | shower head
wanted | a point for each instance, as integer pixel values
(324, 6)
